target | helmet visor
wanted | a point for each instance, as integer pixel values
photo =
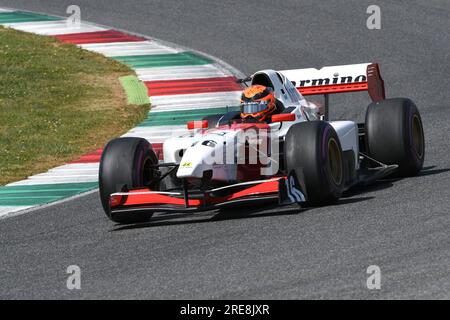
(254, 107)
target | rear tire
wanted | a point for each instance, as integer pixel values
(394, 134)
(125, 164)
(315, 147)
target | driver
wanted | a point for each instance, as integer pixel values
(257, 102)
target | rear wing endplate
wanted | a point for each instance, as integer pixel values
(338, 79)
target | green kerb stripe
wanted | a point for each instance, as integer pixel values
(173, 118)
(135, 89)
(41, 193)
(164, 60)
(16, 16)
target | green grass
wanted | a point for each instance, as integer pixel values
(57, 102)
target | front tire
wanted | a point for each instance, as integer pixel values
(315, 147)
(125, 164)
(394, 134)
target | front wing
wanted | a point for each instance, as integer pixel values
(284, 190)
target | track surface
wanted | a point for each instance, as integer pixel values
(402, 226)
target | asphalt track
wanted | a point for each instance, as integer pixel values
(402, 226)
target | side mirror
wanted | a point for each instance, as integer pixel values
(283, 117)
(202, 124)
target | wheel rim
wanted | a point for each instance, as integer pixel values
(334, 161)
(417, 136)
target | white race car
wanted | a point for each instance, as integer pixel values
(297, 155)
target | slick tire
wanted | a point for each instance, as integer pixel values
(394, 135)
(314, 147)
(125, 164)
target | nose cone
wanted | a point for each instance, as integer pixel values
(198, 158)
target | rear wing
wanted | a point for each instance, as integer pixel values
(338, 79)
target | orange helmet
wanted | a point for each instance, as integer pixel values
(258, 102)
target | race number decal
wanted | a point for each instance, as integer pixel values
(293, 189)
(290, 190)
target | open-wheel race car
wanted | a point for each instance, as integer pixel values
(293, 155)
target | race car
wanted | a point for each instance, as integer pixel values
(279, 149)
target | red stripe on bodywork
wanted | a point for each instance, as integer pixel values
(336, 88)
(149, 199)
(158, 148)
(136, 198)
(262, 188)
(202, 85)
(97, 37)
(244, 126)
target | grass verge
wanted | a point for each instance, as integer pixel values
(57, 101)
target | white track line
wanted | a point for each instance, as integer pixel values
(129, 48)
(52, 27)
(156, 133)
(4, 210)
(195, 101)
(179, 73)
(77, 166)
(72, 172)
(53, 180)
(156, 129)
